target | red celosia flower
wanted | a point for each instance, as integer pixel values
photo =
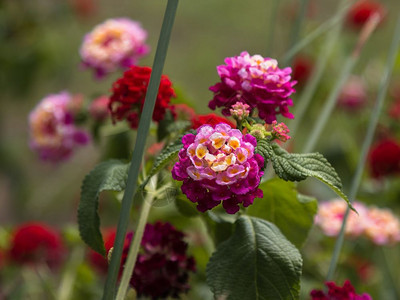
(162, 267)
(129, 93)
(384, 158)
(302, 68)
(210, 119)
(362, 10)
(34, 243)
(347, 292)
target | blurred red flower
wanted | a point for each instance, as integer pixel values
(302, 68)
(384, 158)
(361, 11)
(35, 243)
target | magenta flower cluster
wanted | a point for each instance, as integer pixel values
(112, 44)
(335, 292)
(219, 164)
(162, 268)
(256, 81)
(53, 134)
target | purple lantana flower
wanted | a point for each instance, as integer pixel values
(113, 44)
(256, 81)
(219, 165)
(53, 134)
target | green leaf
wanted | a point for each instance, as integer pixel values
(166, 155)
(220, 227)
(297, 167)
(256, 263)
(293, 213)
(108, 175)
(185, 207)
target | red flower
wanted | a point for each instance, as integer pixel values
(384, 158)
(302, 69)
(347, 292)
(162, 267)
(210, 119)
(35, 243)
(362, 10)
(129, 93)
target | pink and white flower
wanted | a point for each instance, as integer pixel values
(53, 134)
(112, 44)
(219, 165)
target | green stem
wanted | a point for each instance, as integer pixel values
(272, 25)
(134, 247)
(338, 17)
(387, 275)
(143, 131)
(296, 28)
(329, 105)
(67, 282)
(394, 48)
(309, 91)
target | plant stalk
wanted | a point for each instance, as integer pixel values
(318, 71)
(346, 71)
(144, 125)
(296, 28)
(135, 245)
(272, 26)
(394, 48)
(338, 17)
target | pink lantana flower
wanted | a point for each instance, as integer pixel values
(113, 44)
(53, 134)
(280, 131)
(240, 111)
(382, 227)
(331, 213)
(256, 81)
(218, 164)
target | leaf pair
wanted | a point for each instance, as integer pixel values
(297, 167)
(110, 175)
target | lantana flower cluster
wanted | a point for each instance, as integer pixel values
(218, 164)
(255, 81)
(36, 243)
(378, 225)
(53, 134)
(129, 92)
(112, 44)
(162, 268)
(335, 292)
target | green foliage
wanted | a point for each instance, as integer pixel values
(220, 228)
(167, 155)
(257, 262)
(297, 167)
(108, 175)
(282, 205)
(185, 207)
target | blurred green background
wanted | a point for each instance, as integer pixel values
(39, 55)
